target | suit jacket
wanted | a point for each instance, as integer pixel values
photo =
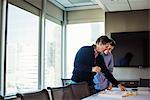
(83, 63)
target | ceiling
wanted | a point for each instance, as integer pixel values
(107, 5)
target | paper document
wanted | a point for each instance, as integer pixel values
(117, 94)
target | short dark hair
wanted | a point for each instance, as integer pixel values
(103, 39)
(112, 43)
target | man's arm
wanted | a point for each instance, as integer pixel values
(100, 62)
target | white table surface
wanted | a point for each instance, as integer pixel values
(116, 94)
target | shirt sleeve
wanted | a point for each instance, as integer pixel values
(111, 63)
(100, 62)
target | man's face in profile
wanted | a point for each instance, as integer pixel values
(108, 50)
(102, 47)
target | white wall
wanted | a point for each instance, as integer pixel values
(127, 73)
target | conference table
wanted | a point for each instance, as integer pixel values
(115, 94)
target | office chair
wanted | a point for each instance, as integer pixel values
(80, 90)
(38, 95)
(144, 82)
(61, 93)
(65, 82)
(1, 97)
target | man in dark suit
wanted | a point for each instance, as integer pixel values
(89, 61)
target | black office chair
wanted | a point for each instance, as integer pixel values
(144, 82)
(80, 90)
(65, 82)
(61, 93)
(38, 95)
(1, 97)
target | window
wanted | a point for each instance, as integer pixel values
(21, 51)
(79, 35)
(52, 54)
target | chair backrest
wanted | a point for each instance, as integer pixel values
(38, 95)
(65, 82)
(1, 97)
(61, 93)
(144, 82)
(80, 90)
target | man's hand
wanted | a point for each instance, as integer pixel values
(109, 87)
(122, 88)
(96, 69)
